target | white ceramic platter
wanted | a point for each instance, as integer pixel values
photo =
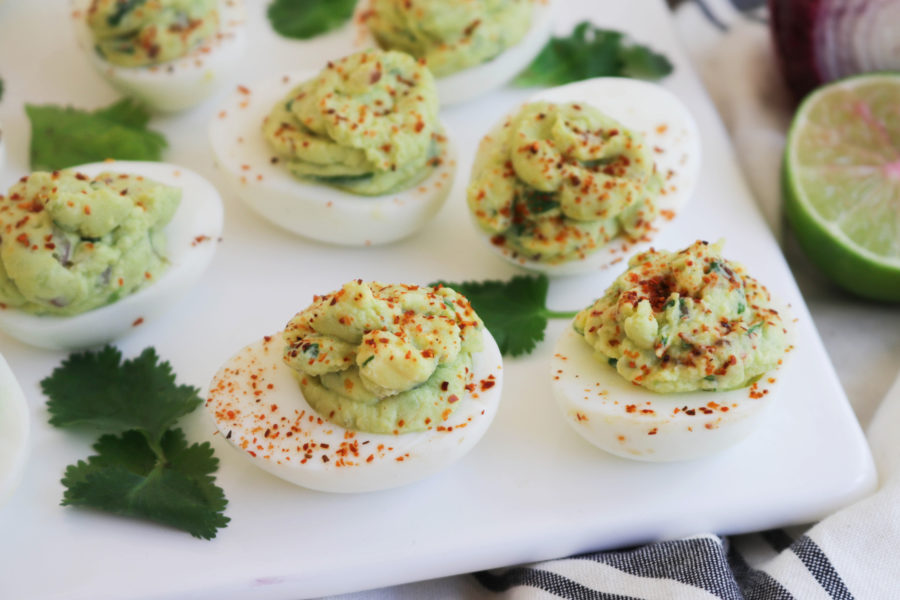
(13, 431)
(531, 489)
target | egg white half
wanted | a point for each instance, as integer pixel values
(191, 239)
(313, 210)
(14, 431)
(256, 402)
(178, 84)
(630, 421)
(477, 80)
(668, 129)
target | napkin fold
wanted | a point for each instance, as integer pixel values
(853, 553)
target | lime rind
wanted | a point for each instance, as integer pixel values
(841, 182)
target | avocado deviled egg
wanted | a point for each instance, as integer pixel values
(371, 387)
(89, 253)
(169, 54)
(353, 155)
(583, 173)
(677, 360)
(471, 46)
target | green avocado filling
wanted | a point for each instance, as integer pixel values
(685, 321)
(71, 243)
(556, 182)
(366, 124)
(450, 36)
(138, 33)
(384, 358)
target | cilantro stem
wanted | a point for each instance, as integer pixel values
(156, 446)
(556, 314)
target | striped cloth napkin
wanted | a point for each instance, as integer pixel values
(854, 553)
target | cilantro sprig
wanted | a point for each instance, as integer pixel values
(592, 52)
(514, 311)
(303, 19)
(147, 470)
(64, 136)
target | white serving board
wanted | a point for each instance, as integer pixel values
(532, 489)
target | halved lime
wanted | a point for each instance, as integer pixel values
(841, 182)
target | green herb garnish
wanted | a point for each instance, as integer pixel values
(147, 471)
(710, 378)
(592, 52)
(612, 362)
(303, 19)
(64, 136)
(1, 89)
(754, 328)
(514, 311)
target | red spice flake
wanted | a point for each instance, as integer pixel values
(581, 416)
(23, 239)
(370, 458)
(453, 398)
(147, 275)
(273, 408)
(621, 438)
(652, 431)
(630, 408)
(243, 89)
(137, 321)
(446, 414)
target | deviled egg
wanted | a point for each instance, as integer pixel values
(13, 431)
(472, 47)
(353, 155)
(677, 360)
(583, 173)
(373, 386)
(169, 54)
(89, 253)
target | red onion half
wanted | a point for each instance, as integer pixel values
(823, 40)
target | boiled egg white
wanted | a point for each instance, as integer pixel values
(477, 80)
(13, 431)
(258, 407)
(667, 127)
(630, 421)
(181, 83)
(312, 210)
(191, 239)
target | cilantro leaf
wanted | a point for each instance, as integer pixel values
(64, 136)
(1, 89)
(303, 19)
(513, 311)
(125, 477)
(97, 389)
(592, 52)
